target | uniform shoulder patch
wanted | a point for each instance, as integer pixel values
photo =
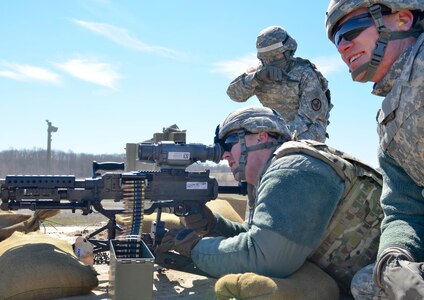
(316, 104)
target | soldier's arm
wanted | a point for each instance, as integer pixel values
(403, 206)
(280, 239)
(243, 87)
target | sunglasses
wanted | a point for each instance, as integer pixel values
(352, 28)
(229, 142)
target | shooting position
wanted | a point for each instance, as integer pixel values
(313, 206)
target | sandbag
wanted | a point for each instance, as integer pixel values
(171, 221)
(44, 214)
(36, 266)
(224, 208)
(238, 202)
(11, 221)
(8, 218)
(309, 282)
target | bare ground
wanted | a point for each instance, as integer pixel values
(167, 284)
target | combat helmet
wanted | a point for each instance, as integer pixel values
(337, 9)
(254, 119)
(275, 40)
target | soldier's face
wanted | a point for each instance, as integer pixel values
(356, 49)
(274, 59)
(232, 156)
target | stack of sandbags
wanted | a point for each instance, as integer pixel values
(36, 266)
(309, 282)
(11, 221)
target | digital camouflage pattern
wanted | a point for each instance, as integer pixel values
(352, 237)
(301, 97)
(337, 9)
(274, 40)
(253, 119)
(401, 117)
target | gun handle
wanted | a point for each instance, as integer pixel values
(185, 208)
(107, 166)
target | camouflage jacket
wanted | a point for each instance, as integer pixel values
(401, 117)
(311, 203)
(296, 198)
(401, 131)
(303, 99)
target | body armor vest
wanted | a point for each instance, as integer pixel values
(352, 236)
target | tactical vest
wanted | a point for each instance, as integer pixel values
(352, 236)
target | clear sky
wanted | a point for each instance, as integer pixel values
(107, 73)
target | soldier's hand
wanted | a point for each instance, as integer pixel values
(181, 241)
(269, 73)
(399, 277)
(202, 222)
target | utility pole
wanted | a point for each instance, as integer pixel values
(50, 129)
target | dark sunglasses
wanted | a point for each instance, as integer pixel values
(229, 142)
(352, 28)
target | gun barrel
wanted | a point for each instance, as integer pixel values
(33, 181)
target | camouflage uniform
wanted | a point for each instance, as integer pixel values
(305, 180)
(301, 96)
(401, 157)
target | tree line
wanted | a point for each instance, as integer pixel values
(34, 162)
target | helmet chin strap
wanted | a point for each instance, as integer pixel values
(241, 168)
(380, 48)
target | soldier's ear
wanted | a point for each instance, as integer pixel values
(404, 20)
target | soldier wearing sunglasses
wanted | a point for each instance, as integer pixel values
(290, 85)
(311, 203)
(382, 41)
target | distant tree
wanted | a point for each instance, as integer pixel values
(33, 162)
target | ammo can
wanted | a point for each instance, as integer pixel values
(130, 270)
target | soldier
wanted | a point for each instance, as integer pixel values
(382, 41)
(290, 85)
(312, 202)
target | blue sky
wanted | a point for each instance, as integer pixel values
(107, 73)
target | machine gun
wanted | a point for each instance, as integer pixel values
(143, 192)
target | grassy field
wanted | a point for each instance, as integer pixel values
(66, 218)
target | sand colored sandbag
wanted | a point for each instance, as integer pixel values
(239, 203)
(8, 218)
(11, 222)
(309, 282)
(36, 266)
(224, 208)
(171, 221)
(245, 286)
(44, 214)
